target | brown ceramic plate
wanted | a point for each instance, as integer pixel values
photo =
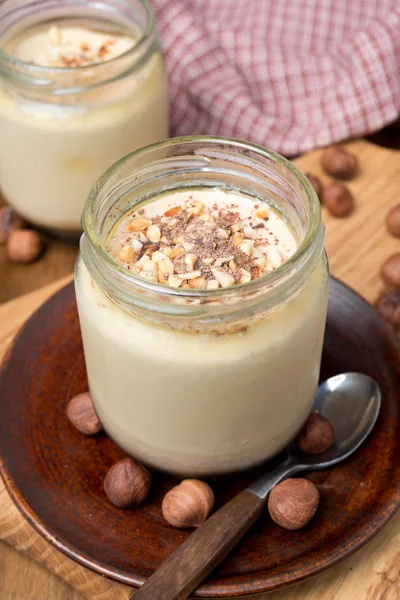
(54, 474)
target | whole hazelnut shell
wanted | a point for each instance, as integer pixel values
(293, 503)
(9, 221)
(127, 484)
(316, 183)
(188, 504)
(24, 245)
(337, 162)
(393, 221)
(338, 200)
(81, 413)
(317, 435)
(388, 306)
(390, 271)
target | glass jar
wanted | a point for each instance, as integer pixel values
(62, 127)
(202, 382)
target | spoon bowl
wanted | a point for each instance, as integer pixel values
(351, 402)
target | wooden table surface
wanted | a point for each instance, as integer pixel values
(355, 250)
(15, 280)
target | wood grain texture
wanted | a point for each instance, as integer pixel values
(356, 247)
(16, 280)
(23, 578)
(203, 550)
(21, 536)
(57, 261)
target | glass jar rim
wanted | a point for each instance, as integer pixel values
(137, 48)
(309, 241)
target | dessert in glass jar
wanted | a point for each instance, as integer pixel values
(81, 84)
(202, 288)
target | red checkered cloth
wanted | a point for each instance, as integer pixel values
(288, 74)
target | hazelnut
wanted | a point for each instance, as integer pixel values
(338, 200)
(336, 161)
(81, 413)
(24, 245)
(390, 271)
(388, 306)
(127, 483)
(293, 503)
(317, 434)
(188, 504)
(316, 183)
(9, 221)
(393, 221)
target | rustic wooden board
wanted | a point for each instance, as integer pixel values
(356, 247)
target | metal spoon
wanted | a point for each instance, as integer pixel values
(351, 401)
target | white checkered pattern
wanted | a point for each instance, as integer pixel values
(288, 74)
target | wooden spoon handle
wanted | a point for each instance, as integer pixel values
(182, 572)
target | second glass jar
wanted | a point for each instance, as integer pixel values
(61, 127)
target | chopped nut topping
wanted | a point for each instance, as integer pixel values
(199, 283)
(125, 254)
(165, 268)
(250, 233)
(54, 36)
(222, 233)
(198, 246)
(103, 51)
(232, 265)
(174, 281)
(145, 258)
(245, 276)
(237, 239)
(191, 260)
(66, 51)
(223, 277)
(192, 275)
(262, 213)
(195, 208)
(136, 245)
(140, 236)
(247, 246)
(139, 224)
(208, 261)
(224, 259)
(172, 211)
(154, 233)
(274, 259)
